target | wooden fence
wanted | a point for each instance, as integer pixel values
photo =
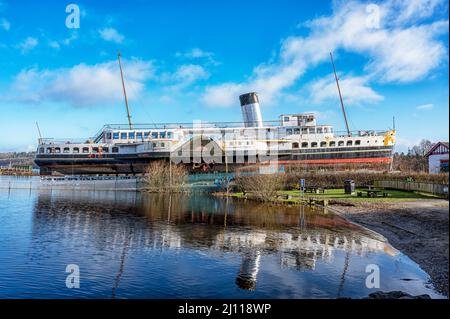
(436, 189)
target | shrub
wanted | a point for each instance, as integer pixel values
(263, 187)
(161, 177)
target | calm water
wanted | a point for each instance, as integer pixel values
(151, 246)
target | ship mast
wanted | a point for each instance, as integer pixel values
(39, 131)
(340, 95)
(124, 91)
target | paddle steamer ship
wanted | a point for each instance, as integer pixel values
(293, 139)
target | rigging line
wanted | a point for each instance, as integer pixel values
(122, 264)
(340, 94)
(344, 271)
(124, 91)
(140, 105)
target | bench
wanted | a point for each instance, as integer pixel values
(314, 189)
(373, 193)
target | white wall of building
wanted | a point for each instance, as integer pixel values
(434, 162)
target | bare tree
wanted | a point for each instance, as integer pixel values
(263, 187)
(422, 148)
(414, 161)
(161, 177)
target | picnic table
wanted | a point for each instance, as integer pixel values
(373, 192)
(314, 189)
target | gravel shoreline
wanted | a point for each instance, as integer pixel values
(418, 229)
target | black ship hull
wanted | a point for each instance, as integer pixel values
(61, 164)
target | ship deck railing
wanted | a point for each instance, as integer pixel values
(85, 178)
(136, 127)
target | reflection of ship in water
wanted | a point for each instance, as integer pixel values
(161, 222)
(248, 272)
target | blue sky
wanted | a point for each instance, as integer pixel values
(189, 61)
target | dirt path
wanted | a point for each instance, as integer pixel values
(419, 229)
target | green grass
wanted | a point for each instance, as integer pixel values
(338, 194)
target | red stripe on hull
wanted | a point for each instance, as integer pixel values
(336, 161)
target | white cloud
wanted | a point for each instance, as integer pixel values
(70, 39)
(54, 44)
(222, 95)
(190, 73)
(354, 90)
(413, 10)
(28, 44)
(403, 144)
(82, 85)
(424, 107)
(5, 24)
(111, 35)
(399, 51)
(195, 53)
(184, 76)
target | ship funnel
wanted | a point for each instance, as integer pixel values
(251, 112)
